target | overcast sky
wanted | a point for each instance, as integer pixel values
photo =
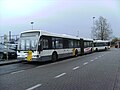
(58, 16)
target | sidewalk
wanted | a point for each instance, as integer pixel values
(6, 62)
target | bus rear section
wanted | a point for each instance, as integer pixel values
(88, 45)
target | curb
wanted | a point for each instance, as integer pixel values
(9, 62)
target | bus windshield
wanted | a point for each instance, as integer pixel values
(28, 41)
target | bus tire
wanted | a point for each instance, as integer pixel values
(96, 50)
(76, 52)
(91, 51)
(54, 57)
(105, 48)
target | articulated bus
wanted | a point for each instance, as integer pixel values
(101, 45)
(39, 45)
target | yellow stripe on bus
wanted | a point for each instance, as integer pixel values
(74, 51)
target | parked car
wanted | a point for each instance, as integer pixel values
(4, 51)
(12, 46)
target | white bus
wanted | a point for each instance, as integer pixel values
(101, 45)
(38, 45)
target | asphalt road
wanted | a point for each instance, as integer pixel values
(97, 71)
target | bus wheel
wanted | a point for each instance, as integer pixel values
(54, 57)
(91, 50)
(1, 56)
(105, 48)
(96, 49)
(76, 52)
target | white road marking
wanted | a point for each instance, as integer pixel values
(47, 65)
(39, 66)
(17, 72)
(85, 63)
(91, 60)
(31, 88)
(96, 58)
(99, 56)
(103, 55)
(76, 68)
(60, 75)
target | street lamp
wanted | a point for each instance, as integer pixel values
(93, 28)
(32, 24)
(93, 20)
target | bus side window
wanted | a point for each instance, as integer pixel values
(70, 42)
(45, 43)
(57, 43)
(85, 44)
(65, 43)
(53, 43)
(40, 46)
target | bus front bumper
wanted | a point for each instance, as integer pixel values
(41, 59)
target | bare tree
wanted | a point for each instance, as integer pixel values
(101, 29)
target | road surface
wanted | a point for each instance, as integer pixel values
(96, 71)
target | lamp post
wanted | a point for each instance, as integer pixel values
(32, 24)
(92, 29)
(6, 41)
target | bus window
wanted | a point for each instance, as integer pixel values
(65, 43)
(85, 44)
(22, 45)
(76, 43)
(45, 44)
(57, 43)
(70, 43)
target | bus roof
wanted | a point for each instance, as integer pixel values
(42, 32)
(87, 39)
(101, 41)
